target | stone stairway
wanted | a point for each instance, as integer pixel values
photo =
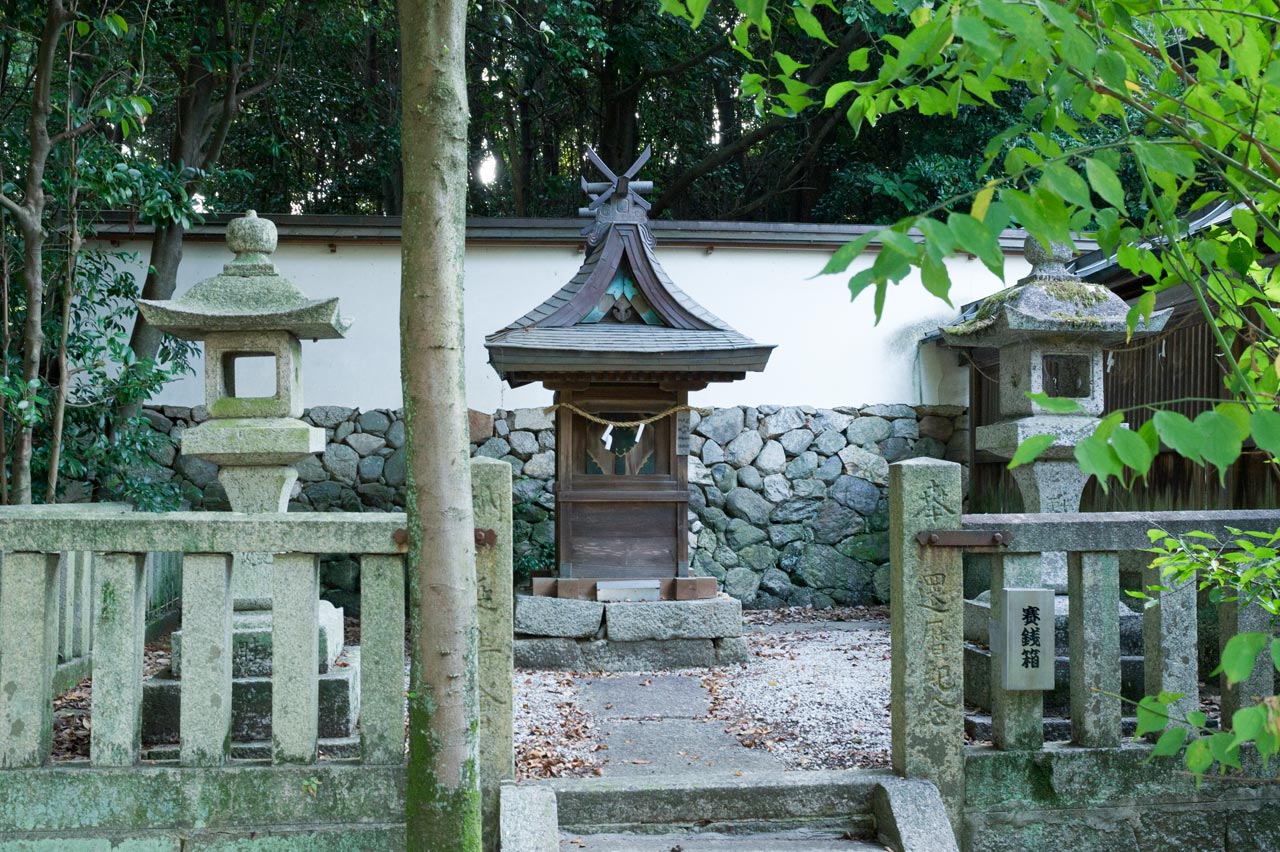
(804, 811)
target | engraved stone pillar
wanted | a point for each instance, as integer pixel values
(491, 501)
(926, 606)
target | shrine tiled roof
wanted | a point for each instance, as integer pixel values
(621, 311)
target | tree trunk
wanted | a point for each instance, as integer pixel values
(29, 217)
(162, 278)
(32, 346)
(443, 796)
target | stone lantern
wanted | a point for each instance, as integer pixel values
(250, 311)
(1051, 329)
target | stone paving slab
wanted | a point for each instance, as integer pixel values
(645, 697)
(678, 747)
(789, 841)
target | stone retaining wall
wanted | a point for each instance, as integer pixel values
(788, 504)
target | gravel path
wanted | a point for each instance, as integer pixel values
(816, 699)
(815, 695)
(555, 736)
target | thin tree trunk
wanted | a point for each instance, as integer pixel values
(68, 294)
(203, 124)
(30, 219)
(443, 796)
(6, 341)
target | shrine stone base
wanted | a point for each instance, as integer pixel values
(568, 634)
(251, 704)
(251, 687)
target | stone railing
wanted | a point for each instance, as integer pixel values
(204, 797)
(29, 580)
(74, 601)
(980, 783)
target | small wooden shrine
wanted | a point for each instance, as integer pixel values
(622, 346)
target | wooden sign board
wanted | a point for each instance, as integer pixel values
(1027, 632)
(683, 431)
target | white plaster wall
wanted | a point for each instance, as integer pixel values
(829, 351)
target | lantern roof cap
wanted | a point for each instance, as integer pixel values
(1051, 304)
(248, 295)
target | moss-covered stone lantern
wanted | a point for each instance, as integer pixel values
(622, 346)
(250, 311)
(1051, 329)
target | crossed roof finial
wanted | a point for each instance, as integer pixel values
(618, 198)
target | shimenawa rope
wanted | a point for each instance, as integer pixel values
(627, 424)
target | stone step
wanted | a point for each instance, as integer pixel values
(977, 615)
(251, 703)
(330, 748)
(978, 678)
(251, 642)
(713, 841)
(833, 800)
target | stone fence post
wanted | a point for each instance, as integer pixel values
(927, 629)
(491, 501)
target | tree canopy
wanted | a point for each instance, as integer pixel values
(548, 77)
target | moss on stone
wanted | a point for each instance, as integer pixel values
(1078, 320)
(1080, 293)
(986, 315)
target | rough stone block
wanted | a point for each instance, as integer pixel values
(706, 619)
(533, 419)
(749, 506)
(771, 459)
(721, 426)
(365, 443)
(732, 650)
(480, 426)
(742, 450)
(548, 654)
(910, 816)
(559, 617)
(523, 444)
(329, 416)
(606, 656)
(528, 819)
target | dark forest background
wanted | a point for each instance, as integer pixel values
(315, 125)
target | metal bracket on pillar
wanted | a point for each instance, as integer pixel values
(964, 538)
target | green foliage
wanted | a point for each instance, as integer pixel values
(1244, 568)
(1136, 116)
(1030, 449)
(532, 557)
(103, 112)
